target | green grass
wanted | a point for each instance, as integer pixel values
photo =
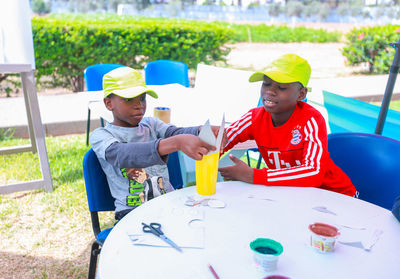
(253, 160)
(395, 105)
(51, 223)
(65, 157)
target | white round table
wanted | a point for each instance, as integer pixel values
(253, 211)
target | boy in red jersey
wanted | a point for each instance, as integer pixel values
(290, 134)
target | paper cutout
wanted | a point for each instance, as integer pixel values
(207, 135)
(220, 134)
(370, 241)
(193, 241)
(364, 239)
(213, 203)
(323, 209)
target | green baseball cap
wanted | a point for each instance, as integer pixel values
(126, 83)
(286, 69)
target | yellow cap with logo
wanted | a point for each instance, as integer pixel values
(286, 69)
(126, 83)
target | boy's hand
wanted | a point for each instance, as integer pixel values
(194, 147)
(240, 171)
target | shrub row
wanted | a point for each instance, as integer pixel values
(65, 44)
(262, 33)
(370, 46)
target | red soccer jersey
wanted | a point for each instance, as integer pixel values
(296, 152)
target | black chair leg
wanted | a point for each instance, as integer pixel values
(259, 161)
(88, 127)
(93, 260)
(248, 158)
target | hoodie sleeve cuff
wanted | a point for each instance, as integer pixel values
(260, 176)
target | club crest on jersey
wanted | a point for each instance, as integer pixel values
(296, 137)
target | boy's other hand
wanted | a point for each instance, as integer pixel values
(194, 147)
(240, 171)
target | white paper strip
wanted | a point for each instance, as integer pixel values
(207, 135)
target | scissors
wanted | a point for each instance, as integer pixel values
(155, 228)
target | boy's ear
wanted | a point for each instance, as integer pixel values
(107, 103)
(302, 94)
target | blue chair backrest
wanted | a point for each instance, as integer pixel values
(162, 72)
(97, 189)
(94, 75)
(372, 163)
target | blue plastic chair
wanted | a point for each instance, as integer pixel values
(94, 82)
(396, 209)
(174, 171)
(99, 199)
(162, 72)
(372, 163)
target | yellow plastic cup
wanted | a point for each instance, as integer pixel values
(206, 174)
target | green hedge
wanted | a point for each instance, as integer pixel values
(370, 45)
(262, 33)
(66, 44)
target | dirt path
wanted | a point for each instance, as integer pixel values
(326, 59)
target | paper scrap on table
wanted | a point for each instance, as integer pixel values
(178, 230)
(365, 239)
(371, 239)
(323, 209)
(262, 194)
(213, 203)
(207, 135)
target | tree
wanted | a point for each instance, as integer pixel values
(294, 8)
(41, 7)
(275, 9)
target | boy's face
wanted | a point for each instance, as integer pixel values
(280, 99)
(126, 112)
